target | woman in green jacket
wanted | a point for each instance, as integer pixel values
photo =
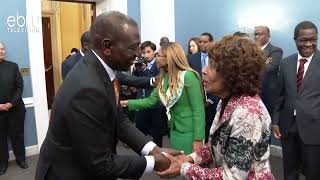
(180, 91)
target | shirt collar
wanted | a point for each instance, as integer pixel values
(151, 63)
(262, 47)
(111, 72)
(204, 54)
(82, 54)
(308, 58)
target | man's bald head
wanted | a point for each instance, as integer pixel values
(110, 25)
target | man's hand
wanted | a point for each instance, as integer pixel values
(184, 158)
(9, 105)
(174, 169)
(3, 107)
(161, 162)
(197, 144)
(124, 103)
(276, 131)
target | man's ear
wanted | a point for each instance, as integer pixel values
(106, 45)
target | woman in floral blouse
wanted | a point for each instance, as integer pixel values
(239, 140)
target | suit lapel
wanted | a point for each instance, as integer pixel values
(198, 63)
(103, 75)
(266, 50)
(291, 72)
(314, 64)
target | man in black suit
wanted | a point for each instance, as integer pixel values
(150, 121)
(68, 64)
(86, 121)
(12, 112)
(273, 56)
(296, 114)
(197, 62)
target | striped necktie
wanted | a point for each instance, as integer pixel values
(300, 73)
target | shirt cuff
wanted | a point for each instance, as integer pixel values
(210, 101)
(147, 148)
(150, 164)
(184, 169)
(152, 81)
(196, 159)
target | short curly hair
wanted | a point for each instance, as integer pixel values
(240, 62)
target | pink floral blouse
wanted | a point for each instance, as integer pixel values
(238, 146)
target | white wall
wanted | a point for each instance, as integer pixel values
(37, 72)
(109, 5)
(157, 20)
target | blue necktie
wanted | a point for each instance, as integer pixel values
(203, 59)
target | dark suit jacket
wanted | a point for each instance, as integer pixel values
(195, 62)
(271, 75)
(306, 101)
(153, 72)
(11, 85)
(131, 80)
(84, 129)
(68, 64)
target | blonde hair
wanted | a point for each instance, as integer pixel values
(177, 61)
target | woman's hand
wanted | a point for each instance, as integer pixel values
(196, 145)
(124, 103)
(174, 169)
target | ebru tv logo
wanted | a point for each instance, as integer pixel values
(20, 23)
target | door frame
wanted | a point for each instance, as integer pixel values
(56, 47)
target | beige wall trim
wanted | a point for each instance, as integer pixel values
(51, 10)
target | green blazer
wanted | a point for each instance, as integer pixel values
(188, 114)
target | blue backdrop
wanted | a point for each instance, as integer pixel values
(17, 51)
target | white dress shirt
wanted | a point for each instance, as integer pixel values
(306, 65)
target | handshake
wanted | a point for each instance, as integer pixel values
(168, 162)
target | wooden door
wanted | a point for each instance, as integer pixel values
(47, 50)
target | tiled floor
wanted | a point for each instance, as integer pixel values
(15, 173)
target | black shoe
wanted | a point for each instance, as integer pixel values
(3, 168)
(22, 164)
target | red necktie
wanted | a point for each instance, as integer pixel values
(300, 73)
(116, 90)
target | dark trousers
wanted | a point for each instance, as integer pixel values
(12, 125)
(151, 122)
(299, 157)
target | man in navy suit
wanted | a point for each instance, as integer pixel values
(68, 64)
(150, 121)
(273, 56)
(296, 114)
(197, 62)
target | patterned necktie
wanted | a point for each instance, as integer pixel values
(116, 90)
(300, 73)
(204, 60)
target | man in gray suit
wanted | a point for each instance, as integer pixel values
(273, 56)
(296, 116)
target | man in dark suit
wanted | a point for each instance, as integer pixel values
(297, 107)
(68, 64)
(150, 121)
(86, 121)
(273, 56)
(12, 112)
(197, 62)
